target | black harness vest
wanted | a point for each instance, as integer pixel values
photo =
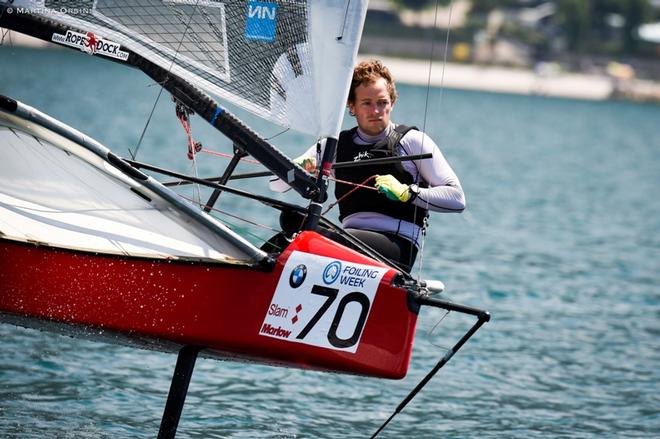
(363, 200)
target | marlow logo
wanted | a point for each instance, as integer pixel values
(90, 43)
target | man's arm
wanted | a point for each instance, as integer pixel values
(444, 193)
(307, 161)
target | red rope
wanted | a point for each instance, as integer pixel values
(362, 185)
(193, 146)
(222, 154)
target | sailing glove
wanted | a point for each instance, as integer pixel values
(393, 188)
(307, 163)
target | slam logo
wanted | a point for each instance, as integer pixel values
(90, 43)
(261, 21)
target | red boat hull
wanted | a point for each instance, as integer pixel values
(222, 308)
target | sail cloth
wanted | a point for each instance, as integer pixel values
(60, 188)
(287, 61)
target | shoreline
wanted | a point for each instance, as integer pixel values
(516, 81)
(485, 78)
(498, 79)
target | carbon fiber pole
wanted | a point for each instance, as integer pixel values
(185, 364)
(483, 317)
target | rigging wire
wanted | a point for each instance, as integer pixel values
(430, 333)
(421, 263)
(6, 33)
(357, 186)
(223, 212)
(285, 130)
(196, 189)
(232, 215)
(422, 241)
(144, 130)
(153, 108)
(420, 266)
(229, 156)
(444, 60)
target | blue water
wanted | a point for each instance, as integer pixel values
(561, 242)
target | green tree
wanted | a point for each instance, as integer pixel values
(633, 12)
(574, 18)
(636, 12)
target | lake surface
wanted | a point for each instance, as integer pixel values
(560, 242)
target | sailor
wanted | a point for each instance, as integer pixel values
(391, 220)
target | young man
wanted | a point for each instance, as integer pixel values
(390, 220)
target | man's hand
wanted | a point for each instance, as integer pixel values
(307, 163)
(392, 188)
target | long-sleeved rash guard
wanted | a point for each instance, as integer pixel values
(443, 194)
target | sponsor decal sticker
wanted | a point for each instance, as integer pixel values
(298, 276)
(92, 44)
(331, 272)
(261, 21)
(364, 155)
(322, 302)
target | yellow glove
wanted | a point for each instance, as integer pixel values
(307, 163)
(393, 188)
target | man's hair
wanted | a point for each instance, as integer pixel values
(368, 72)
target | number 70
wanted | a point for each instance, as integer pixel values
(331, 294)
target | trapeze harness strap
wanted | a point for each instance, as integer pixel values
(363, 200)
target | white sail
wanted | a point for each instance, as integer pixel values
(58, 188)
(287, 61)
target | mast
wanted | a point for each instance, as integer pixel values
(316, 205)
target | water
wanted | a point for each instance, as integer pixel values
(560, 242)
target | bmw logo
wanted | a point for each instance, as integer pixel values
(331, 272)
(298, 276)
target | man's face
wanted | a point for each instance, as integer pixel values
(372, 106)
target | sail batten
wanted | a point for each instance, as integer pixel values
(288, 61)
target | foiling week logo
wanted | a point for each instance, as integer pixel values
(331, 272)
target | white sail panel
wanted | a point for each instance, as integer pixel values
(287, 61)
(335, 44)
(61, 193)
